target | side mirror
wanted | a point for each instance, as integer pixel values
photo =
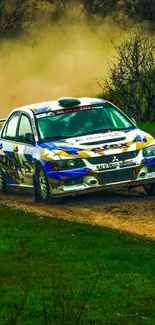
(134, 121)
(29, 138)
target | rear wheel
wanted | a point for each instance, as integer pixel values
(2, 183)
(150, 189)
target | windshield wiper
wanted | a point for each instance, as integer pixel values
(91, 132)
(100, 131)
(103, 131)
(57, 137)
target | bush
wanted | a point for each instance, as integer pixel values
(131, 83)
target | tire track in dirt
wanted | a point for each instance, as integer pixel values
(123, 211)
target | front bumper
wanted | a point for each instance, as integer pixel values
(87, 181)
(86, 190)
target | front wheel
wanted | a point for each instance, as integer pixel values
(43, 187)
(150, 189)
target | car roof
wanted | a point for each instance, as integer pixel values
(60, 103)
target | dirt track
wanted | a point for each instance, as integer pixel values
(125, 211)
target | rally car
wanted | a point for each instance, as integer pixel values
(72, 146)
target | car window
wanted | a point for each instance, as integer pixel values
(25, 132)
(10, 128)
(117, 118)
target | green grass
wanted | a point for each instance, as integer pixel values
(37, 253)
(148, 127)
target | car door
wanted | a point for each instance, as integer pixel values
(25, 150)
(8, 162)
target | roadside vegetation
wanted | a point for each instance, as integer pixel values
(147, 127)
(15, 14)
(58, 272)
(131, 80)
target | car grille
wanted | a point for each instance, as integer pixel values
(116, 176)
(109, 158)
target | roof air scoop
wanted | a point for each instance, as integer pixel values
(69, 101)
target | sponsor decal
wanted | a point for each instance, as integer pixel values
(44, 115)
(72, 110)
(107, 135)
(67, 110)
(41, 110)
(110, 146)
(97, 107)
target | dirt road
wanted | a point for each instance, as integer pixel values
(125, 211)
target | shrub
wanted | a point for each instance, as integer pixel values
(131, 82)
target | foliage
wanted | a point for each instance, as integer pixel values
(139, 9)
(148, 127)
(14, 15)
(102, 7)
(131, 83)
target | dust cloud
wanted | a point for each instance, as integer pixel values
(55, 61)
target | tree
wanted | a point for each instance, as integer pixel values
(13, 17)
(131, 82)
(101, 7)
(139, 9)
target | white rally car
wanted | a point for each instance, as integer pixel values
(74, 146)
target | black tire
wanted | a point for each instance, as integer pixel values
(150, 189)
(42, 187)
(2, 183)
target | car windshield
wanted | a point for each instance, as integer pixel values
(79, 121)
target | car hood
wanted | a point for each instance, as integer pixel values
(98, 144)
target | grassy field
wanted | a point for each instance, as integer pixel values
(51, 271)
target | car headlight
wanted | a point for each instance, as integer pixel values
(64, 164)
(149, 151)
